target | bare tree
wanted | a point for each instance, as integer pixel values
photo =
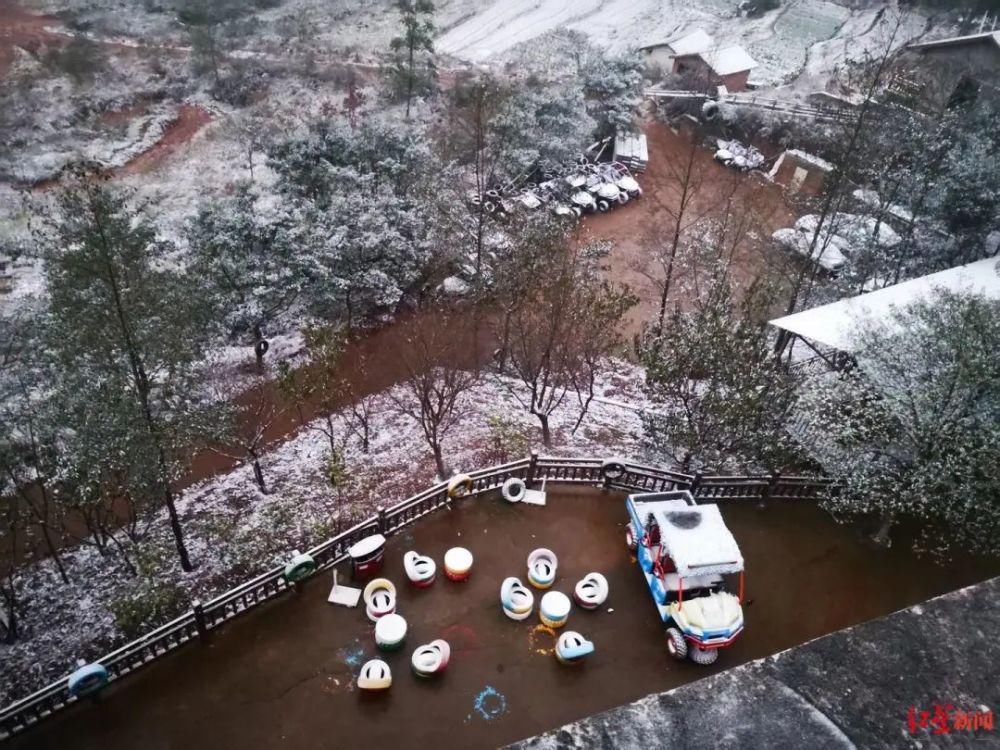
(252, 411)
(432, 386)
(562, 318)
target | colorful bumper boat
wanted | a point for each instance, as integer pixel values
(592, 591)
(573, 648)
(516, 599)
(542, 565)
(430, 659)
(380, 598)
(554, 609)
(420, 569)
(374, 675)
(390, 632)
(457, 563)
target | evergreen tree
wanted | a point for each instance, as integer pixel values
(914, 429)
(413, 73)
(126, 329)
(256, 261)
(720, 399)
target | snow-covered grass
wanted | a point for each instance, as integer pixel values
(234, 531)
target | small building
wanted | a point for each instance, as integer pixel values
(799, 172)
(831, 330)
(662, 54)
(728, 66)
(957, 69)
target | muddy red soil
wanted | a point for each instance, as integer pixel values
(190, 119)
(284, 675)
(755, 208)
(19, 28)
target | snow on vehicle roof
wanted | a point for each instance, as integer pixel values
(695, 536)
(728, 60)
(835, 324)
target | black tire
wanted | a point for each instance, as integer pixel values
(703, 656)
(612, 469)
(677, 647)
(710, 110)
(260, 347)
(603, 206)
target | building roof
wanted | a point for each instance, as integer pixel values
(957, 41)
(836, 324)
(694, 536)
(728, 60)
(688, 44)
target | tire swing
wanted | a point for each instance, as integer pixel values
(513, 490)
(542, 567)
(592, 591)
(260, 347)
(87, 679)
(459, 485)
(613, 469)
(375, 675)
(516, 599)
(572, 648)
(300, 567)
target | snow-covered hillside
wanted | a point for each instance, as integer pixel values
(818, 32)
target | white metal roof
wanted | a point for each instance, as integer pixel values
(989, 36)
(690, 44)
(835, 324)
(694, 536)
(728, 60)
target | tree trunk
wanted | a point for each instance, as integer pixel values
(409, 82)
(439, 461)
(258, 472)
(546, 431)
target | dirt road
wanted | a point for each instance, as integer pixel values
(641, 229)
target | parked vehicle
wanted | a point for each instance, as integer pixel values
(623, 178)
(685, 552)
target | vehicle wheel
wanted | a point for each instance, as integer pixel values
(603, 205)
(622, 198)
(577, 212)
(630, 541)
(638, 193)
(676, 645)
(703, 656)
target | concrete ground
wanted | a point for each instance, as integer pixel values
(282, 676)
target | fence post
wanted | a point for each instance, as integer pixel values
(382, 523)
(532, 466)
(199, 620)
(696, 482)
(765, 495)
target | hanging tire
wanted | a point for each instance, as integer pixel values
(677, 647)
(459, 485)
(513, 490)
(260, 347)
(612, 469)
(703, 656)
(87, 680)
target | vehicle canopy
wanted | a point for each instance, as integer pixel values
(694, 536)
